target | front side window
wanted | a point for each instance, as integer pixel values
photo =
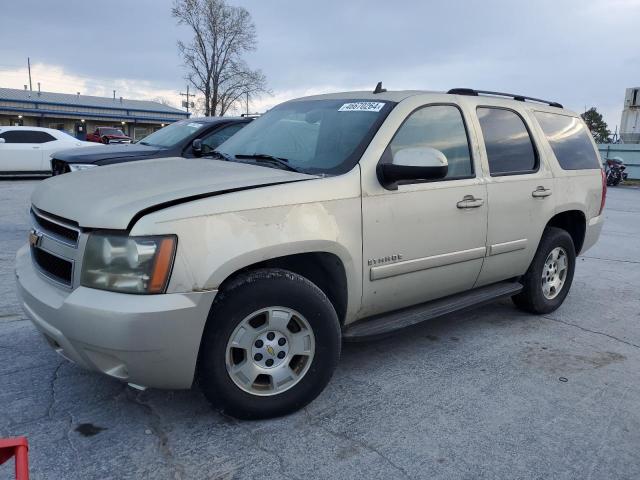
(440, 127)
(569, 140)
(214, 140)
(507, 141)
(325, 137)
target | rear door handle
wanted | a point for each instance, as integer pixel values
(541, 192)
(469, 201)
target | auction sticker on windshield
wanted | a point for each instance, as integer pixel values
(361, 107)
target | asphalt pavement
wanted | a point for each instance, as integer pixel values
(488, 394)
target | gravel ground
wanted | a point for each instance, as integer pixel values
(494, 393)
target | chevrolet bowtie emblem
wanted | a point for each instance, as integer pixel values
(270, 350)
(34, 238)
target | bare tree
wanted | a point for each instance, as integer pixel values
(222, 34)
(163, 101)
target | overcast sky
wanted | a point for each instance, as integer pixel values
(580, 53)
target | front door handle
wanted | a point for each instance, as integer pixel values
(469, 201)
(541, 192)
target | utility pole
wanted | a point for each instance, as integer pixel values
(187, 95)
(29, 68)
(247, 104)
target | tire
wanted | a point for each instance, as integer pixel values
(244, 298)
(105, 140)
(533, 298)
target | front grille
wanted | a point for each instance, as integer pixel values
(57, 268)
(56, 226)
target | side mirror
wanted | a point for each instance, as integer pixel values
(417, 163)
(196, 147)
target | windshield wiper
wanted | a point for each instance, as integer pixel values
(265, 157)
(221, 155)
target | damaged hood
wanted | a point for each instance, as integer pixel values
(110, 197)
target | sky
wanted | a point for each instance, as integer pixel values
(580, 53)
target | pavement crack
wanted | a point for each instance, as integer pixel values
(612, 337)
(158, 430)
(611, 259)
(52, 389)
(256, 441)
(356, 441)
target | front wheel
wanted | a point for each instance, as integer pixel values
(271, 344)
(105, 140)
(548, 280)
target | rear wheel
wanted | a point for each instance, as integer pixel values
(271, 345)
(105, 140)
(548, 280)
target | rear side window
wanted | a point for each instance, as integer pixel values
(569, 141)
(440, 127)
(26, 136)
(507, 140)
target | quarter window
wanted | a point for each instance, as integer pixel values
(507, 141)
(440, 127)
(569, 141)
(26, 136)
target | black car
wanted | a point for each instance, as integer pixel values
(186, 138)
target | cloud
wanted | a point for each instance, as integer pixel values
(571, 51)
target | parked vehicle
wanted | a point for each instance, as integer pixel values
(186, 138)
(615, 171)
(27, 150)
(108, 135)
(333, 217)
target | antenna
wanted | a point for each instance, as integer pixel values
(29, 67)
(379, 88)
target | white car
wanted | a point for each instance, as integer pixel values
(28, 150)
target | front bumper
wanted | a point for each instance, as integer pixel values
(148, 340)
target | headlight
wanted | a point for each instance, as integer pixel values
(76, 167)
(128, 264)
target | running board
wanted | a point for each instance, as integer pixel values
(378, 325)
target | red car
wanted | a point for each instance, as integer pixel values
(108, 135)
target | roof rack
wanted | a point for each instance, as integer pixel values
(520, 98)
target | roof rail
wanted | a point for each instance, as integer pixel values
(520, 98)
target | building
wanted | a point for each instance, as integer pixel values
(630, 121)
(79, 114)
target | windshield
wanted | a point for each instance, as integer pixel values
(172, 134)
(311, 136)
(111, 131)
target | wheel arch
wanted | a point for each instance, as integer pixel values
(574, 222)
(327, 270)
